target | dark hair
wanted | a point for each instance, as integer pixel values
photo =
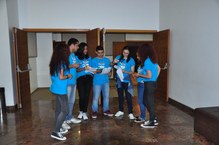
(122, 56)
(147, 51)
(99, 48)
(72, 41)
(80, 52)
(59, 59)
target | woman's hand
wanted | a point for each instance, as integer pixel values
(69, 76)
(136, 75)
(115, 61)
(76, 65)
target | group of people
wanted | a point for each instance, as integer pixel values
(71, 66)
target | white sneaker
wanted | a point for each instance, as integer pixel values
(74, 120)
(80, 115)
(65, 125)
(131, 116)
(119, 113)
(84, 115)
(63, 130)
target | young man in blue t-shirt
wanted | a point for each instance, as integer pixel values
(100, 82)
(73, 47)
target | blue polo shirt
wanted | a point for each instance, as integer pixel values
(73, 72)
(83, 63)
(123, 64)
(150, 66)
(59, 86)
(100, 63)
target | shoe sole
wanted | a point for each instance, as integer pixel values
(76, 122)
(143, 126)
(61, 139)
(108, 115)
(119, 115)
(94, 117)
(139, 121)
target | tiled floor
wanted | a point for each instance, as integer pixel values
(34, 128)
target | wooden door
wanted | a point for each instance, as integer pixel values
(22, 67)
(162, 44)
(93, 40)
(55, 43)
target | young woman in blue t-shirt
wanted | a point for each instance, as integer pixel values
(59, 73)
(127, 64)
(84, 79)
(148, 75)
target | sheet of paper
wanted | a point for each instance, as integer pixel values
(106, 70)
(91, 70)
(120, 74)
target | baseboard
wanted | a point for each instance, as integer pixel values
(182, 107)
(11, 109)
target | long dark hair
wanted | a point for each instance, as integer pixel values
(80, 52)
(147, 51)
(122, 56)
(59, 59)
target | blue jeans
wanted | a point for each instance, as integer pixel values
(71, 100)
(105, 91)
(140, 100)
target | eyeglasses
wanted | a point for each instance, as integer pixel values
(126, 53)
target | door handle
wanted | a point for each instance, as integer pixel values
(22, 71)
(165, 67)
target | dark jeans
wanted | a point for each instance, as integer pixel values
(61, 110)
(148, 100)
(120, 91)
(84, 84)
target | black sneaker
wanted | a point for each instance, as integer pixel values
(148, 125)
(94, 115)
(139, 120)
(58, 136)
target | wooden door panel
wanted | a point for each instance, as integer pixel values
(93, 40)
(161, 42)
(22, 69)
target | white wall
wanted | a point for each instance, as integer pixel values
(139, 37)
(5, 59)
(130, 14)
(194, 50)
(44, 51)
(82, 37)
(33, 74)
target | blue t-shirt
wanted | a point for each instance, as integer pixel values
(59, 86)
(149, 65)
(73, 72)
(100, 63)
(83, 63)
(127, 66)
(140, 71)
